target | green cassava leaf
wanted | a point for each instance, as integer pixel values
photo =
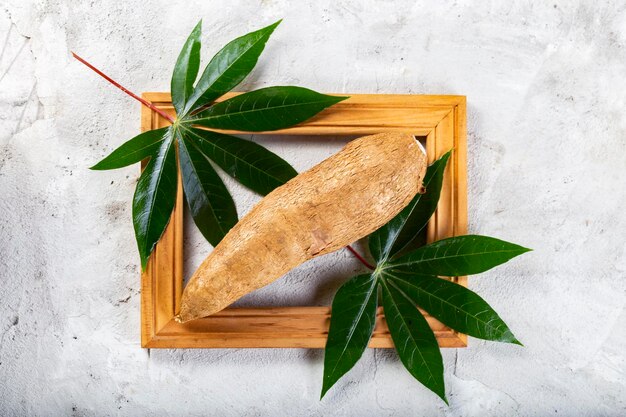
(154, 197)
(265, 109)
(135, 150)
(249, 163)
(211, 206)
(229, 67)
(351, 326)
(453, 305)
(414, 340)
(456, 256)
(401, 231)
(186, 70)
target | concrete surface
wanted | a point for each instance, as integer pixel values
(547, 133)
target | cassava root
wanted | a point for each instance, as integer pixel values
(340, 200)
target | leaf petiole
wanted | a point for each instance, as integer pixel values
(360, 258)
(124, 89)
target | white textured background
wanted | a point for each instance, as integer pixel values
(546, 89)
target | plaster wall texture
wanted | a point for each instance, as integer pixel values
(546, 92)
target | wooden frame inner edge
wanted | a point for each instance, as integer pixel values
(440, 118)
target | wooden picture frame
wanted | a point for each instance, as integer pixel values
(441, 119)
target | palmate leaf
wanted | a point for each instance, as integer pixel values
(186, 70)
(351, 326)
(265, 109)
(229, 67)
(249, 163)
(155, 196)
(400, 232)
(211, 206)
(454, 305)
(409, 280)
(414, 340)
(135, 150)
(456, 256)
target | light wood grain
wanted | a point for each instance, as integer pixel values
(441, 119)
(162, 281)
(273, 327)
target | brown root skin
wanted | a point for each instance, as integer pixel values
(342, 199)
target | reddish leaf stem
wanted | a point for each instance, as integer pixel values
(124, 89)
(359, 257)
(168, 117)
